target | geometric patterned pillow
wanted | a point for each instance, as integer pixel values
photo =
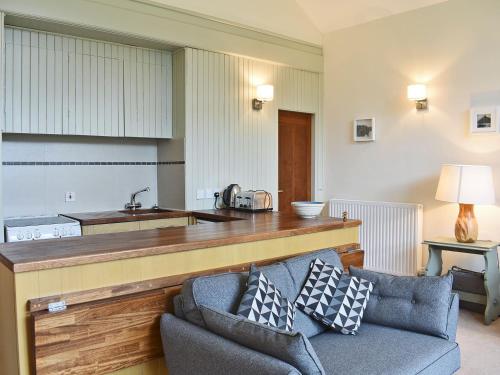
(334, 298)
(263, 303)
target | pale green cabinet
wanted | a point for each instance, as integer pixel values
(58, 84)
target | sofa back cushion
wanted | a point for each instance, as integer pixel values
(411, 303)
(291, 347)
(224, 291)
(221, 291)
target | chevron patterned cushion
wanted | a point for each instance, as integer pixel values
(334, 298)
(263, 303)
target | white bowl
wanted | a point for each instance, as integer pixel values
(308, 210)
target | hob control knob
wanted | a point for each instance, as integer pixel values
(38, 234)
(20, 236)
(56, 232)
(29, 236)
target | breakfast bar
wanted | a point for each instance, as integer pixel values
(106, 292)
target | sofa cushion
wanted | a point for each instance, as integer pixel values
(413, 303)
(291, 347)
(384, 350)
(262, 302)
(334, 298)
(221, 291)
(224, 291)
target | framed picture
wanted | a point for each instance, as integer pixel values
(364, 130)
(484, 120)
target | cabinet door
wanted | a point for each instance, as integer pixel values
(95, 95)
(164, 223)
(62, 85)
(147, 93)
(89, 230)
(35, 66)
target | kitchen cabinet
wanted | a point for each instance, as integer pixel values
(164, 223)
(130, 226)
(58, 84)
(147, 93)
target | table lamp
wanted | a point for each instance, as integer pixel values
(467, 185)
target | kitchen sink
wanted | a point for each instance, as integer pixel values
(145, 211)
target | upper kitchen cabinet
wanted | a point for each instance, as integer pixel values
(148, 93)
(59, 84)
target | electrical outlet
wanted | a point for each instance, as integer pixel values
(70, 196)
(200, 194)
(209, 193)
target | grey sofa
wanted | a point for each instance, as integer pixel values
(190, 348)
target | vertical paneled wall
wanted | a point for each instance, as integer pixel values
(226, 140)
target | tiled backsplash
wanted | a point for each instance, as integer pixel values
(39, 170)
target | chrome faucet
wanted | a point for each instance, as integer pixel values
(133, 205)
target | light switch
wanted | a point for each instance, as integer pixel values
(200, 194)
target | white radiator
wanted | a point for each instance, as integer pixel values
(391, 233)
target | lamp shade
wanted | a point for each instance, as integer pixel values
(468, 184)
(265, 93)
(417, 92)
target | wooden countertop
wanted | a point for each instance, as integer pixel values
(231, 227)
(110, 217)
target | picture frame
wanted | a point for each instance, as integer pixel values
(364, 129)
(484, 120)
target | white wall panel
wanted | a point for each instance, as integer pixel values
(226, 140)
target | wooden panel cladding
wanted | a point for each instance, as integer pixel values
(353, 258)
(101, 337)
(349, 254)
(226, 140)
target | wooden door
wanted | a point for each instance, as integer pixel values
(294, 158)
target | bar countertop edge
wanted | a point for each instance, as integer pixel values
(231, 228)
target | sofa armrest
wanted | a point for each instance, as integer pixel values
(451, 328)
(190, 349)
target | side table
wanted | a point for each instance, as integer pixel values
(488, 249)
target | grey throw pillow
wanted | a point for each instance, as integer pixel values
(291, 347)
(412, 303)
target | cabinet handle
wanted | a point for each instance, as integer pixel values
(280, 191)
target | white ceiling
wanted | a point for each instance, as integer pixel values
(330, 15)
(284, 17)
(305, 20)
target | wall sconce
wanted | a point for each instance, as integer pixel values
(418, 93)
(265, 93)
